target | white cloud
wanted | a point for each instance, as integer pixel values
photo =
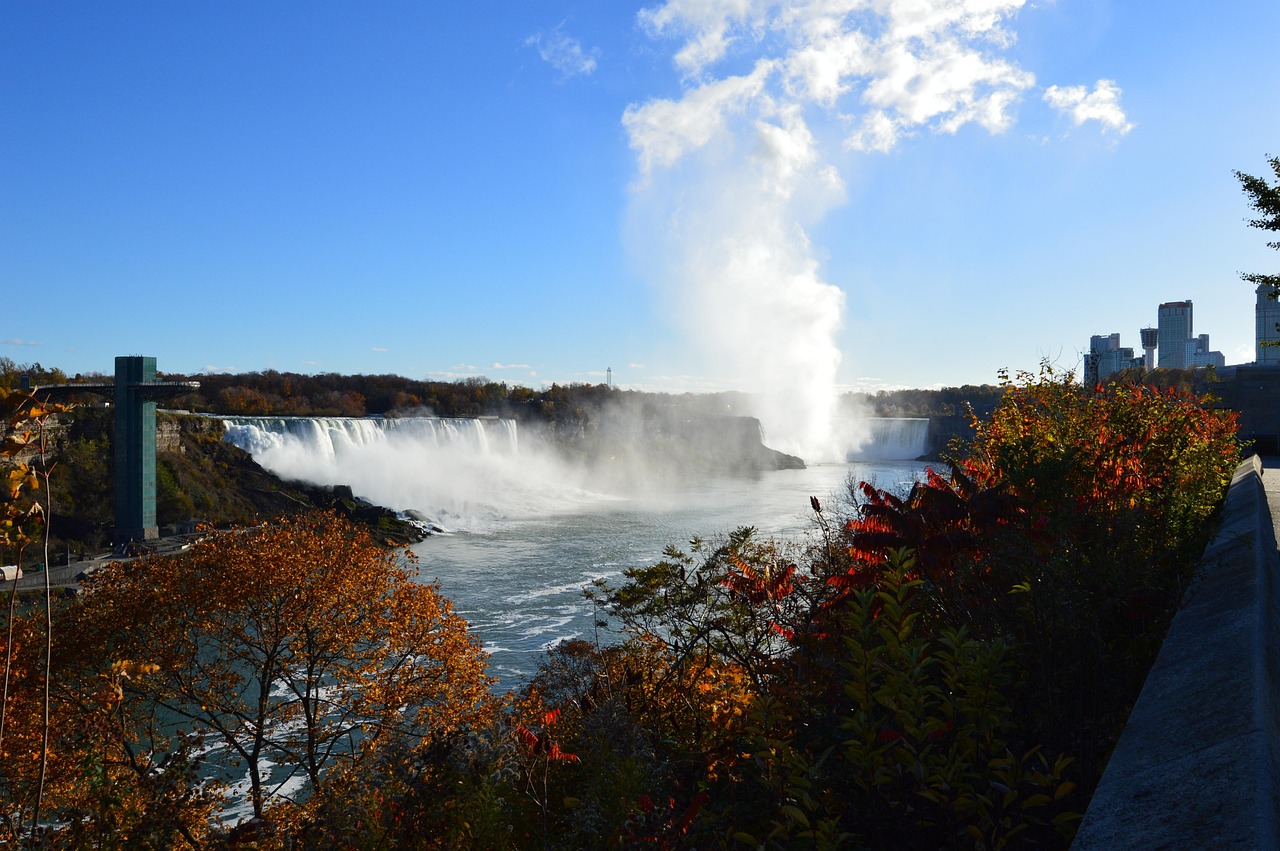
(876, 132)
(884, 67)
(635, 366)
(497, 365)
(710, 26)
(1101, 105)
(662, 131)
(210, 369)
(378, 349)
(563, 52)
(17, 342)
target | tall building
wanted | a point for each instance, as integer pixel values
(1105, 357)
(1267, 334)
(1199, 356)
(1174, 333)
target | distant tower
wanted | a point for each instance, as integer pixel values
(1150, 339)
(1267, 335)
(609, 377)
(1173, 333)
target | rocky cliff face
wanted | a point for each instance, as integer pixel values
(729, 444)
(171, 427)
(623, 447)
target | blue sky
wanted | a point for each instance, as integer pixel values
(700, 194)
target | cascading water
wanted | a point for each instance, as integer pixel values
(891, 439)
(457, 472)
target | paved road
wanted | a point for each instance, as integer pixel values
(62, 577)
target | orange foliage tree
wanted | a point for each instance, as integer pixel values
(300, 643)
(25, 432)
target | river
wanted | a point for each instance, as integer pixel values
(519, 583)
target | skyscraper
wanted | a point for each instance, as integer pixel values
(1173, 332)
(1266, 336)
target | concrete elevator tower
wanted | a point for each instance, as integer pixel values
(136, 394)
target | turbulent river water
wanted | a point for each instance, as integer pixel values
(520, 584)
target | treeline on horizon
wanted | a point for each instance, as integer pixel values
(331, 394)
(274, 393)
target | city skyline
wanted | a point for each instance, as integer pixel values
(697, 195)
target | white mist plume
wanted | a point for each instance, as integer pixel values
(734, 169)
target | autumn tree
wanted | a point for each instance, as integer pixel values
(25, 433)
(300, 644)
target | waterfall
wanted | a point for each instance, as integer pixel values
(458, 472)
(891, 439)
(329, 437)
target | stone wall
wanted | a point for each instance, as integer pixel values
(1196, 766)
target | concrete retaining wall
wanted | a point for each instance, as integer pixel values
(1196, 766)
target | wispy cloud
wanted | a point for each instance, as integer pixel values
(450, 375)
(455, 372)
(17, 342)
(496, 365)
(1101, 105)
(210, 369)
(564, 52)
(378, 349)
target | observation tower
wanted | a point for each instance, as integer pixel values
(134, 395)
